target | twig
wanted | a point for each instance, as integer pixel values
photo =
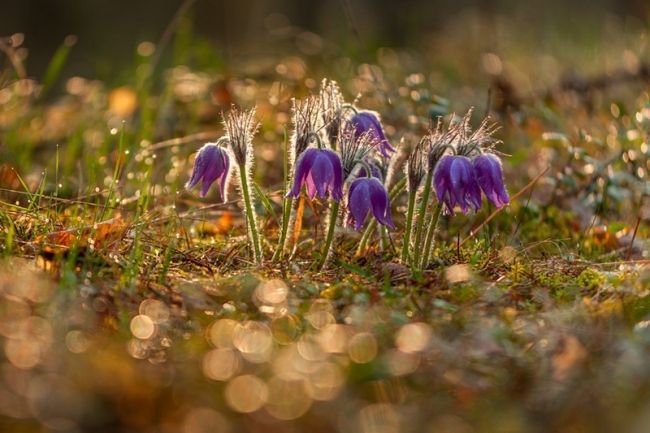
(199, 136)
(521, 192)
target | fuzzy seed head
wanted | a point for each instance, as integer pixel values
(417, 164)
(331, 104)
(352, 148)
(241, 126)
(306, 122)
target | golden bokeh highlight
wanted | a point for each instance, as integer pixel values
(254, 340)
(142, 327)
(362, 347)
(289, 396)
(271, 292)
(413, 337)
(205, 420)
(326, 381)
(221, 332)
(246, 393)
(321, 314)
(333, 338)
(400, 363)
(77, 341)
(221, 364)
(285, 329)
(156, 310)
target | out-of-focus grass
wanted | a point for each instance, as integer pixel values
(129, 304)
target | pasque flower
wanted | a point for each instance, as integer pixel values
(321, 171)
(489, 176)
(369, 194)
(456, 184)
(367, 122)
(212, 164)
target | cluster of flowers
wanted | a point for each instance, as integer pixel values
(337, 147)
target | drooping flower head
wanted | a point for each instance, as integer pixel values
(321, 171)
(456, 183)
(369, 194)
(368, 122)
(212, 164)
(489, 175)
(241, 126)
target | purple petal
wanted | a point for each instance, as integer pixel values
(368, 122)
(359, 201)
(380, 202)
(322, 174)
(336, 186)
(211, 163)
(489, 175)
(223, 179)
(303, 167)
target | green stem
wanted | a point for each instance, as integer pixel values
(329, 240)
(421, 217)
(250, 215)
(431, 234)
(383, 238)
(287, 204)
(370, 228)
(409, 226)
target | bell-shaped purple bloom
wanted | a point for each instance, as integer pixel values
(368, 122)
(456, 183)
(212, 163)
(489, 175)
(369, 194)
(321, 170)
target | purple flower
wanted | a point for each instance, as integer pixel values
(211, 163)
(368, 122)
(322, 171)
(375, 171)
(456, 184)
(366, 194)
(489, 175)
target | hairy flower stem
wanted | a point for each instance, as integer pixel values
(329, 240)
(409, 226)
(421, 216)
(250, 215)
(436, 211)
(287, 207)
(367, 233)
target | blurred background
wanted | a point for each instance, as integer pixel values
(109, 31)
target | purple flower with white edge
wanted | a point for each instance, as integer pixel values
(212, 163)
(367, 122)
(489, 175)
(321, 170)
(369, 194)
(456, 184)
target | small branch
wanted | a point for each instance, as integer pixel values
(199, 136)
(521, 192)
